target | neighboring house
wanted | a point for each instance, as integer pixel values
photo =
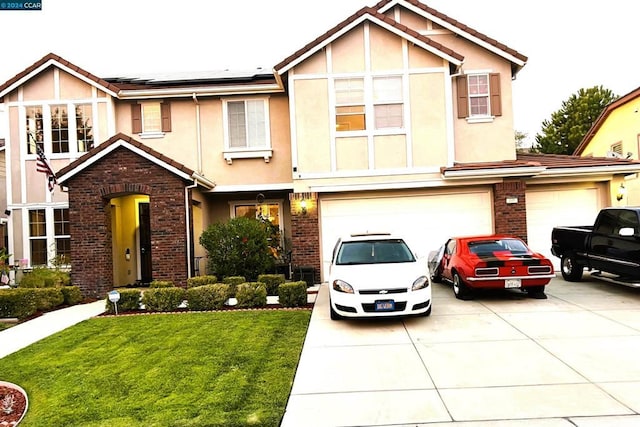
(398, 119)
(616, 134)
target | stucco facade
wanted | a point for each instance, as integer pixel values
(398, 117)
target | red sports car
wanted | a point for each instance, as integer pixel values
(490, 262)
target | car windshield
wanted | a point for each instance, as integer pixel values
(374, 252)
(487, 247)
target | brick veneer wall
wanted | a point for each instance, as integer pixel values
(305, 237)
(510, 218)
(124, 172)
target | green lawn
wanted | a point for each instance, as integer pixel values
(230, 368)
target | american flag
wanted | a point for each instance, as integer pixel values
(42, 165)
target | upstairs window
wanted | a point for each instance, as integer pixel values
(479, 96)
(84, 127)
(388, 102)
(246, 129)
(350, 107)
(35, 135)
(247, 124)
(59, 129)
(151, 119)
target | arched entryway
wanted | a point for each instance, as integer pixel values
(131, 240)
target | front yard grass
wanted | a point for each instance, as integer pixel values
(230, 368)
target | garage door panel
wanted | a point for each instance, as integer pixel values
(426, 221)
(556, 207)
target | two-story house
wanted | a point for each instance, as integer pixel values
(397, 119)
(616, 133)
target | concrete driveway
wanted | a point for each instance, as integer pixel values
(500, 360)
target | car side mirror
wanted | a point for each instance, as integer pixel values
(626, 232)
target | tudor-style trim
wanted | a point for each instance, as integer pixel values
(492, 45)
(370, 15)
(54, 60)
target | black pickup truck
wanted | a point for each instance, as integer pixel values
(610, 248)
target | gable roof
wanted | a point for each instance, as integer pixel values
(55, 60)
(542, 165)
(125, 141)
(603, 118)
(371, 15)
(376, 14)
(517, 59)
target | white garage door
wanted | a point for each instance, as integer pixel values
(553, 207)
(426, 221)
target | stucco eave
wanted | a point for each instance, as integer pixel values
(495, 172)
(200, 91)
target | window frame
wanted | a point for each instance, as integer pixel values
(464, 97)
(369, 102)
(264, 151)
(44, 129)
(46, 234)
(233, 205)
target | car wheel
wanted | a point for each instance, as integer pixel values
(460, 289)
(571, 270)
(334, 314)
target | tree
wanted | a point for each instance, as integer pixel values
(567, 126)
(520, 138)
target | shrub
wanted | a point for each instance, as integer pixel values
(293, 294)
(42, 277)
(163, 299)
(233, 282)
(252, 294)
(239, 246)
(196, 281)
(72, 295)
(48, 298)
(129, 301)
(20, 303)
(207, 297)
(271, 282)
(161, 284)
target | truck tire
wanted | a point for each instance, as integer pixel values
(571, 270)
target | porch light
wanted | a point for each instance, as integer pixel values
(303, 206)
(622, 191)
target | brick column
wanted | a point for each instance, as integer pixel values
(305, 233)
(510, 208)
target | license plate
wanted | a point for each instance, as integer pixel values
(387, 305)
(512, 283)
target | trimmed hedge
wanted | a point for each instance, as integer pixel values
(161, 284)
(193, 282)
(251, 294)
(20, 303)
(233, 282)
(163, 299)
(129, 301)
(271, 282)
(293, 294)
(72, 295)
(41, 277)
(207, 297)
(48, 298)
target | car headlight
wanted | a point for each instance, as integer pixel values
(342, 286)
(420, 283)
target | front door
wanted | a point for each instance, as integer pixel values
(145, 243)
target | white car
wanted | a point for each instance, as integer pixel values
(377, 275)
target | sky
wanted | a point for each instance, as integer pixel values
(570, 45)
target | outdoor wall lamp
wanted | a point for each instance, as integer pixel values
(303, 206)
(621, 192)
(127, 255)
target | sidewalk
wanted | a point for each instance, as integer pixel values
(25, 334)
